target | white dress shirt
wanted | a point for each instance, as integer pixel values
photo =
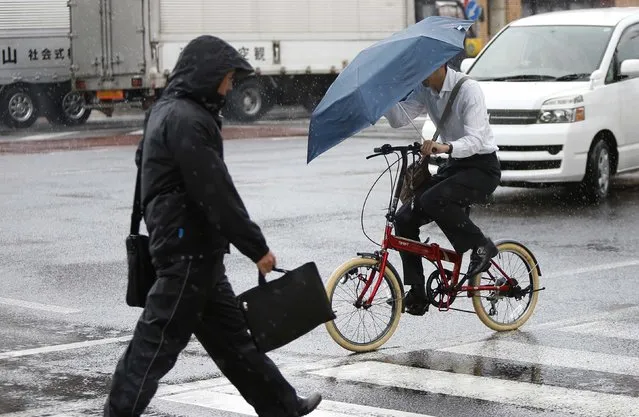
(467, 127)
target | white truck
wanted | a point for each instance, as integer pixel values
(123, 50)
(35, 65)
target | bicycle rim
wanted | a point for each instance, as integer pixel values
(501, 311)
(363, 329)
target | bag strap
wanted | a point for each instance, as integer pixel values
(261, 279)
(136, 214)
(449, 106)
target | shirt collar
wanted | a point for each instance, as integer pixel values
(449, 83)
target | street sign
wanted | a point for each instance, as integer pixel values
(472, 9)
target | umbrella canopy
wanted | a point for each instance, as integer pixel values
(380, 76)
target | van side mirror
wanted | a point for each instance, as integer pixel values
(630, 68)
(466, 64)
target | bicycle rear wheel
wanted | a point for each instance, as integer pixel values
(504, 311)
(361, 329)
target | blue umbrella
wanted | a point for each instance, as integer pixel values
(380, 76)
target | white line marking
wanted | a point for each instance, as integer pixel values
(557, 399)
(234, 403)
(628, 331)
(550, 356)
(60, 348)
(46, 136)
(37, 306)
(596, 268)
(296, 367)
(136, 132)
(607, 316)
(281, 138)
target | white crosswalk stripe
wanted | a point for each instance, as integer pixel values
(576, 378)
(213, 398)
(551, 356)
(483, 388)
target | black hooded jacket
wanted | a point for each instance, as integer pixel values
(191, 206)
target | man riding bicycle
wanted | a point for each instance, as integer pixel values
(471, 174)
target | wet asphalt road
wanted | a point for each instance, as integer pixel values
(64, 321)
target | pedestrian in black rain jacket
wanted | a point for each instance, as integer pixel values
(192, 212)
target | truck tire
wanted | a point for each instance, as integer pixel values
(248, 101)
(18, 107)
(69, 110)
(595, 186)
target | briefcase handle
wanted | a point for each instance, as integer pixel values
(262, 280)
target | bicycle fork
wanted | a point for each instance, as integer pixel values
(360, 303)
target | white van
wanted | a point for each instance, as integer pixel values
(561, 90)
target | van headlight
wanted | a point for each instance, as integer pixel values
(562, 110)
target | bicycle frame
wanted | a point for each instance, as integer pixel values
(431, 251)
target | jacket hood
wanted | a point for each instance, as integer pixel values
(201, 67)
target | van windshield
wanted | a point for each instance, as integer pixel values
(543, 53)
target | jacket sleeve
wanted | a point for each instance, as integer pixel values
(209, 184)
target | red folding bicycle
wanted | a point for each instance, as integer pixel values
(367, 289)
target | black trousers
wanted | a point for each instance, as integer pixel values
(195, 297)
(457, 184)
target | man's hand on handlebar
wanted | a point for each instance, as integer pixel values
(430, 147)
(386, 149)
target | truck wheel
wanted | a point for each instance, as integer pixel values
(248, 102)
(18, 108)
(596, 183)
(70, 110)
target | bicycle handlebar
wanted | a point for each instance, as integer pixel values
(386, 149)
(415, 148)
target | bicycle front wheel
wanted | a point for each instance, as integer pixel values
(507, 310)
(364, 328)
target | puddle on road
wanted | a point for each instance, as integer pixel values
(513, 370)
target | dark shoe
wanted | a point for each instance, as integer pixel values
(416, 303)
(308, 404)
(480, 258)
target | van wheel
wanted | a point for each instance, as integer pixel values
(596, 183)
(18, 107)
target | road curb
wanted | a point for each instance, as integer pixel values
(228, 132)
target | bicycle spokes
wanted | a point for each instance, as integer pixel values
(356, 319)
(513, 275)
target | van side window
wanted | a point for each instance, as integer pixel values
(627, 48)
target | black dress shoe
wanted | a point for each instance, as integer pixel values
(308, 404)
(480, 258)
(416, 303)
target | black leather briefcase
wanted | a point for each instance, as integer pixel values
(284, 309)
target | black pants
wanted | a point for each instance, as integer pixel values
(195, 297)
(457, 184)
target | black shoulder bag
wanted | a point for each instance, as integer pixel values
(141, 273)
(418, 174)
